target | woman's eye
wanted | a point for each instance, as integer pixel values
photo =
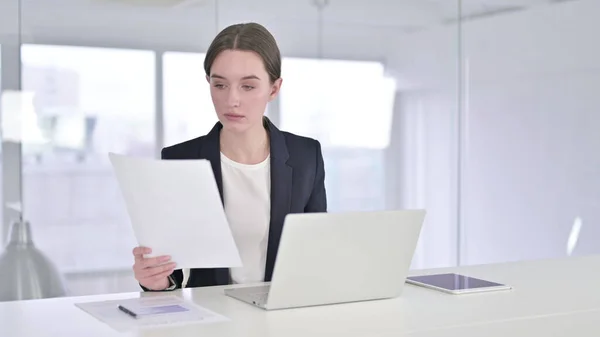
(247, 87)
(219, 86)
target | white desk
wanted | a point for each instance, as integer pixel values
(581, 324)
(543, 289)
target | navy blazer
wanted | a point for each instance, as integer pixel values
(297, 186)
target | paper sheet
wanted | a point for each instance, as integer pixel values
(108, 313)
(175, 209)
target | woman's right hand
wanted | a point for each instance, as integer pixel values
(152, 273)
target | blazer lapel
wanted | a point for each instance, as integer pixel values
(211, 150)
(281, 193)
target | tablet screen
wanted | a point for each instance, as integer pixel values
(453, 281)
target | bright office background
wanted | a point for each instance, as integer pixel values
(485, 112)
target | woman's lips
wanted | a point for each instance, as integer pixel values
(234, 117)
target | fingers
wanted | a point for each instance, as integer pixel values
(151, 272)
(154, 271)
(143, 262)
(153, 261)
(148, 267)
(139, 252)
(160, 276)
(158, 282)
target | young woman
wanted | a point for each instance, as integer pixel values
(262, 173)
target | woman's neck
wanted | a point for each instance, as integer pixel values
(250, 147)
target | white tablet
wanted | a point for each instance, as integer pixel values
(456, 283)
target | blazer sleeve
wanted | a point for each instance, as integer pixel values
(175, 281)
(317, 202)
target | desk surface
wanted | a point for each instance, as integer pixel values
(580, 324)
(543, 289)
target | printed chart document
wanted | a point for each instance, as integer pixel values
(150, 312)
(175, 209)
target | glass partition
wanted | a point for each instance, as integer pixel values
(531, 141)
(483, 114)
(88, 102)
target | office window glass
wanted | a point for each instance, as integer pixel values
(85, 102)
(188, 108)
(532, 121)
(347, 106)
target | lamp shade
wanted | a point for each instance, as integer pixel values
(26, 272)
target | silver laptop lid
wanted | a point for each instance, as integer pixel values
(327, 258)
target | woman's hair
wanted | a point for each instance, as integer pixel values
(247, 37)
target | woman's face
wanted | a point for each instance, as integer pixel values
(240, 89)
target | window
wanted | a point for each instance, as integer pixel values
(87, 102)
(347, 106)
(188, 108)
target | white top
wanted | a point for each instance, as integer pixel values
(550, 298)
(247, 199)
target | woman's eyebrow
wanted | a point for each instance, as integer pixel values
(249, 77)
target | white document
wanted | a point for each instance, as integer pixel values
(109, 313)
(175, 209)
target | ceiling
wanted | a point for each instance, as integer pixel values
(404, 14)
(352, 29)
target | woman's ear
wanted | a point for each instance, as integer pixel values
(275, 89)
(207, 78)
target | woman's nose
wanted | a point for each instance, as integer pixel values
(234, 98)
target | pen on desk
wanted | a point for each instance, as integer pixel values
(127, 311)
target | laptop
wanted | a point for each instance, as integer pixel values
(331, 258)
